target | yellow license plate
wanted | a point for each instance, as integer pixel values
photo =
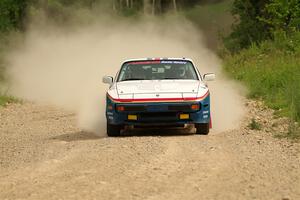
(132, 117)
(184, 116)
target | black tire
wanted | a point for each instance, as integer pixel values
(113, 130)
(202, 129)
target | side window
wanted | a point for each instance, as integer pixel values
(198, 72)
(121, 74)
(117, 75)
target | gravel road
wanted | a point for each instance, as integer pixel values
(43, 155)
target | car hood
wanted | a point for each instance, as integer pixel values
(157, 88)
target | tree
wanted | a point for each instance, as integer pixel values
(147, 7)
(283, 15)
(153, 7)
(257, 20)
(175, 5)
(12, 14)
(248, 27)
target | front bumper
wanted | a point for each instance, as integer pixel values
(158, 113)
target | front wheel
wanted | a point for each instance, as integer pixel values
(113, 130)
(202, 129)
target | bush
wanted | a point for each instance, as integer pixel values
(271, 71)
(256, 21)
(254, 125)
(283, 15)
(4, 100)
(12, 14)
(248, 28)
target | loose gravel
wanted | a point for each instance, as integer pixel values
(43, 155)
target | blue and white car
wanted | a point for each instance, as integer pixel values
(158, 92)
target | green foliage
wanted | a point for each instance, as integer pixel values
(248, 28)
(271, 71)
(12, 14)
(3, 46)
(2, 69)
(256, 21)
(294, 132)
(254, 125)
(283, 15)
(4, 100)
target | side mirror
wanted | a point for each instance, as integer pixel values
(107, 80)
(209, 77)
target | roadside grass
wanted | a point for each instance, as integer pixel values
(254, 125)
(3, 39)
(271, 71)
(5, 100)
(293, 132)
(5, 45)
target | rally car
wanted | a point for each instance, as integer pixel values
(158, 92)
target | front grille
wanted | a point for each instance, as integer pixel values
(159, 108)
(179, 107)
(135, 108)
(158, 116)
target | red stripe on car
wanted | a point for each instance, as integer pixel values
(145, 62)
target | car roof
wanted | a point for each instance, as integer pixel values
(144, 59)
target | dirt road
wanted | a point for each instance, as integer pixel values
(44, 156)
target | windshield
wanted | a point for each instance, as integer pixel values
(157, 70)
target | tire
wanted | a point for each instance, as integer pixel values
(202, 129)
(113, 130)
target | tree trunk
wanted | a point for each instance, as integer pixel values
(175, 5)
(153, 7)
(131, 3)
(120, 5)
(91, 4)
(147, 7)
(158, 7)
(114, 5)
(44, 5)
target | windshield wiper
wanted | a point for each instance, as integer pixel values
(133, 79)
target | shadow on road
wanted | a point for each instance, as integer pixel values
(163, 132)
(140, 132)
(78, 136)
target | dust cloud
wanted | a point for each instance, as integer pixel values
(64, 67)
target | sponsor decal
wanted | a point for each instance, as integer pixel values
(205, 112)
(205, 116)
(157, 62)
(173, 62)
